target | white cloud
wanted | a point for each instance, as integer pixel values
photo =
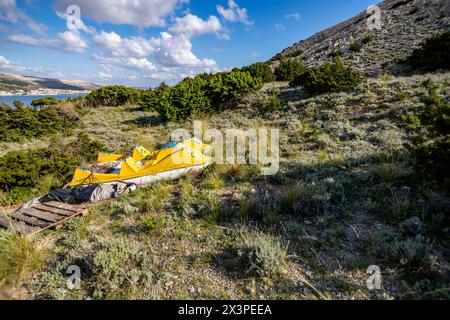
(11, 13)
(294, 16)
(69, 41)
(140, 13)
(176, 51)
(104, 75)
(172, 53)
(137, 47)
(279, 27)
(8, 65)
(139, 64)
(234, 13)
(109, 40)
(191, 25)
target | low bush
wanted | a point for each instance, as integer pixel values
(274, 103)
(433, 54)
(185, 99)
(431, 147)
(25, 123)
(289, 69)
(330, 77)
(404, 251)
(23, 170)
(230, 85)
(112, 96)
(260, 70)
(261, 254)
(203, 94)
(149, 98)
(152, 223)
(43, 102)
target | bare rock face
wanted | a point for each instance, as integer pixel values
(404, 25)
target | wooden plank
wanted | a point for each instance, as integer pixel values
(62, 212)
(42, 215)
(64, 206)
(17, 226)
(28, 220)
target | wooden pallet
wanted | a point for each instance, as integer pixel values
(41, 217)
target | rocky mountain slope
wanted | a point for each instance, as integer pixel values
(11, 82)
(404, 25)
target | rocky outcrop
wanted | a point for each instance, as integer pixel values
(404, 25)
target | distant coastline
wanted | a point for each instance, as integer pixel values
(43, 92)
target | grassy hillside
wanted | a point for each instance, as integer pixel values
(347, 196)
(363, 178)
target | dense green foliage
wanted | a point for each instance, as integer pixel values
(22, 170)
(186, 98)
(433, 54)
(289, 69)
(203, 94)
(261, 70)
(229, 85)
(113, 96)
(330, 77)
(149, 98)
(42, 102)
(432, 148)
(24, 122)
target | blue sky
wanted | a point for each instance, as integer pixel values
(144, 42)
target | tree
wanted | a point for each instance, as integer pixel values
(289, 69)
(18, 104)
(229, 85)
(433, 54)
(260, 70)
(42, 102)
(113, 96)
(186, 98)
(330, 77)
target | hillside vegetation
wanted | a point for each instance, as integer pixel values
(363, 181)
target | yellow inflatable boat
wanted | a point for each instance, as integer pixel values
(143, 167)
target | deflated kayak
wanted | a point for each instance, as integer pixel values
(143, 167)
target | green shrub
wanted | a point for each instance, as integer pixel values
(356, 47)
(25, 123)
(203, 94)
(183, 100)
(149, 98)
(113, 96)
(433, 54)
(400, 3)
(294, 54)
(261, 70)
(152, 223)
(330, 77)
(274, 103)
(262, 254)
(288, 70)
(42, 102)
(432, 147)
(18, 104)
(22, 170)
(404, 251)
(229, 85)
